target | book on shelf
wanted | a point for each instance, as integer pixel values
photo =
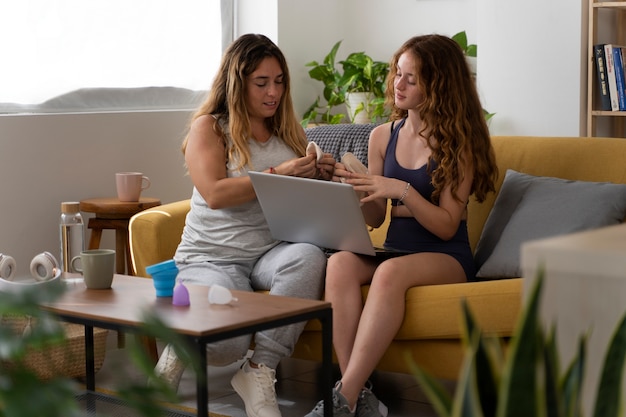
(619, 76)
(603, 86)
(610, 75)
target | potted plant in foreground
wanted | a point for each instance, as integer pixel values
(360, 87)
(527, 381)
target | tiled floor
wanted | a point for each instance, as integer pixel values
(297, 387)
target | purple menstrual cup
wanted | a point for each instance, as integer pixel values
(181, 295)
(163, 277)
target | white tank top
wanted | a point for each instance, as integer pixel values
(234, 233)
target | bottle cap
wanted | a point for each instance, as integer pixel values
(70, 207)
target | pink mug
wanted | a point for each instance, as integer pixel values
(130, 185)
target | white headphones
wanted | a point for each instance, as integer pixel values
(43, 267)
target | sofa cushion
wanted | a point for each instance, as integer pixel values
(341, 138)
(530, 207)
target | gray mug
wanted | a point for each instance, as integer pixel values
(97, 267)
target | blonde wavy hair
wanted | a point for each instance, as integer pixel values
(451, 114)
(226, 102)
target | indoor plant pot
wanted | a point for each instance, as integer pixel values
(360, 74)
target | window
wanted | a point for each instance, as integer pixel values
(72, 55)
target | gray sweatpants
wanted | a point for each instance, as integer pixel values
(289, 269)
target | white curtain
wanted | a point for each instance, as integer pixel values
(88, 55)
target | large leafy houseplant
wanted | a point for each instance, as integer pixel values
(360, 74)
(470, 50)
(526, 382)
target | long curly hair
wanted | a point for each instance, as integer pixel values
(451, 113)
(226, 99)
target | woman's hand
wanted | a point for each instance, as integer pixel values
(308, 167)
(305, 166)
(340, 173)
(374, 186)
(326, 167)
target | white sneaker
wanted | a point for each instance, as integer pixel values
(256, 389)
(169, 367)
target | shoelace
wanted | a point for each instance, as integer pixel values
(336, 407)
(170, 359)
(265, 381)
(320, 405)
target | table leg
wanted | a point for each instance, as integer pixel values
(90, 372)
(202, 387)
(327, 362)
(121, 243)
(94, 240)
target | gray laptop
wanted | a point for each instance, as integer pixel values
(324, 213)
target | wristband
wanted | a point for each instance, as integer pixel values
(406, 191)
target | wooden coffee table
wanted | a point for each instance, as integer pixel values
(122, 308)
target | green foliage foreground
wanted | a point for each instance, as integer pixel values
(526, 382)
(24, 394)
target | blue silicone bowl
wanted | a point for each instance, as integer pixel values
(163, 277)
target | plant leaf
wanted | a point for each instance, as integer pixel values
(329, 60)
(608, 399)
(518, 390)
(466, 399)
(438, 396)
(551, 372)
(471, 50)
(573, 381)
(486, 381)
(461, 39)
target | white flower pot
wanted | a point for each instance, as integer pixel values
(353, 102)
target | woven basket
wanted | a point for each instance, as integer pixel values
(66, 359)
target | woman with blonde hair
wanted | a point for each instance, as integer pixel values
(247, 123)
(428, 160)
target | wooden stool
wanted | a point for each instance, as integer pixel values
(114, 214)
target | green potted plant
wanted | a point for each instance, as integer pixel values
(470, 50)
(526, 381)
(360, 86)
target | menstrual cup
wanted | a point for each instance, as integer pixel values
(181, 294)
(220, 295)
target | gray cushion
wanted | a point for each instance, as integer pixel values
(341, 138)
(530, 207)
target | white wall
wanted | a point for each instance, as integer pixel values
(308, 30)
(529, 71)
(531, 65)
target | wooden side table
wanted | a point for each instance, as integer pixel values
(113, 214)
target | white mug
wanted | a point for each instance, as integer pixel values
(130, 185)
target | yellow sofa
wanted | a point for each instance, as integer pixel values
(432, 327)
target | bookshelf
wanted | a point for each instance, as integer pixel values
(607, 24)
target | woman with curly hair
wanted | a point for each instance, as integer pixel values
(428, 160)
(246, 123)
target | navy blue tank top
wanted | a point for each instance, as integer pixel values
(406, 233)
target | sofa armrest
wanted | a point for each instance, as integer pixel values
(154, 234)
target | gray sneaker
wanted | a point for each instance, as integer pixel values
(340, 405)
(367, 405)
